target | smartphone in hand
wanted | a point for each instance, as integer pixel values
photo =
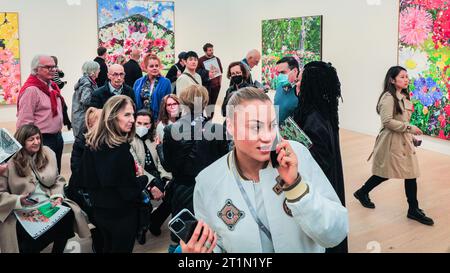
(273, 151)
(31, 200)
(183, 225)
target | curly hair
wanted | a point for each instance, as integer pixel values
(243, 69)
(320, 90)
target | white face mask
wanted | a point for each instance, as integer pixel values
(141, 131)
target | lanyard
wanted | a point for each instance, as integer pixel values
(247, 200)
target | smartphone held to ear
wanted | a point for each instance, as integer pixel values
(183, 225)
(273, 151)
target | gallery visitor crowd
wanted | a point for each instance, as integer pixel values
(147, 147)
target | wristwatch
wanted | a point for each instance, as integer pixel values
(408, 128)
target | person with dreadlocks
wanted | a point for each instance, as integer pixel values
(317, 115)
(394, 154)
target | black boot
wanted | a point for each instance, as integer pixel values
(418, 215)
(414, 212)
(364, 199)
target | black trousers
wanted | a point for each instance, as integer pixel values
(410, 189)
(160, 214)
(56, 143)
(118, 228)
(58, 235)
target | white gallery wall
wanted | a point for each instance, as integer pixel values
(359, 38)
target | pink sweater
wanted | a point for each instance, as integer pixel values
(35, 107)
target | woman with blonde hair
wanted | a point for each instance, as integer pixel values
(112, 178)
(259, 203)
(30, 183)
(151, 88)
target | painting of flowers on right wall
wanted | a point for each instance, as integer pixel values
(424, 50)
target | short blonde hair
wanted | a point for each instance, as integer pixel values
(107, 130)
(191, 92)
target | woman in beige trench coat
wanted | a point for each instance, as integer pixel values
(32, 177)
(394, 154)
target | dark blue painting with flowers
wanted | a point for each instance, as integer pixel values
(146, 25)
(424, 50)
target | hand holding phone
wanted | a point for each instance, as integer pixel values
(273, 152)
(26, 200)
(417, 142)
(288, 162)
(196, 236)
(183, 225)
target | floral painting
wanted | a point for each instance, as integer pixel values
(424, 50)
(128, 24)
(299, 37)
(9, 58)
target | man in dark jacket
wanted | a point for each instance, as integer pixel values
(176, 70)
(115, 86)
(100, 59)
(132, 68)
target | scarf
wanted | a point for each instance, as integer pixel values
(53, 94)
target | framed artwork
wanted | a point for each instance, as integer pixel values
(424, 50)
(145, 25)
(9, 58)
(300, 37)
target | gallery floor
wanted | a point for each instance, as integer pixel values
(384, 229)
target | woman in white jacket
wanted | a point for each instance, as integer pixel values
(245, 204)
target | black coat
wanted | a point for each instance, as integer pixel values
(326, 148)
(103, 75)
(75, 162)
(228, 95)
(109, 176)
(133, 72)
(102, 94)
(173, 71)
(186, 158)
(327, 153)
(74, 191)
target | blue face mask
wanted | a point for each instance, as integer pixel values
(282, 80)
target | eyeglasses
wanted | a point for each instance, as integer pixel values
(171, 104)
(49, 67)
(116, 75)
